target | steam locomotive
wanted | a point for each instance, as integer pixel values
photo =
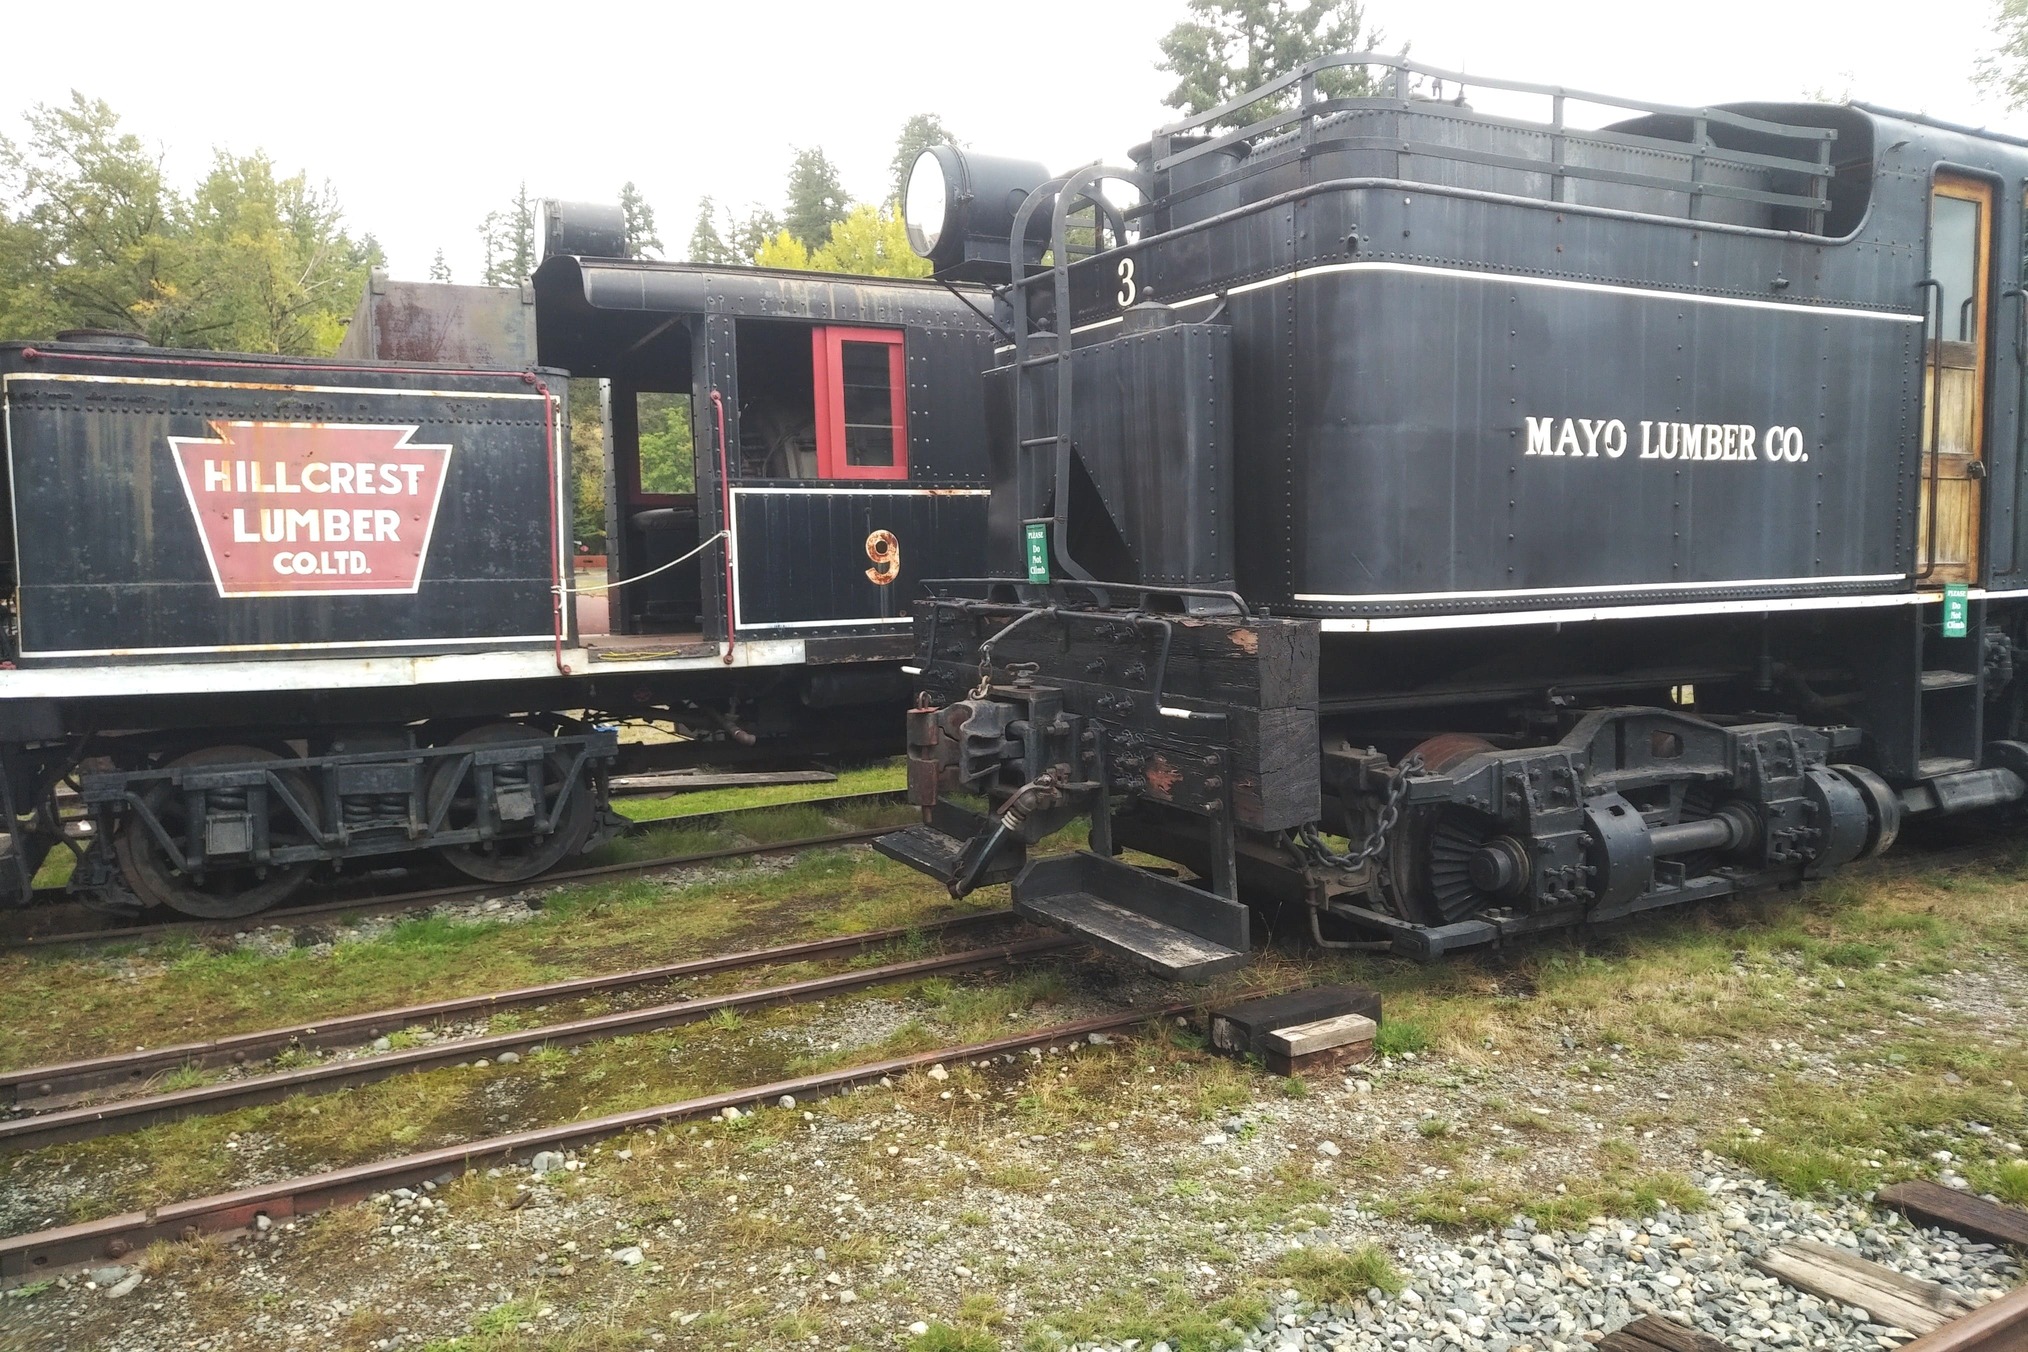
(267, 617)
(1453, 523)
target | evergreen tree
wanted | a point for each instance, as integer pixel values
(440, 270)
(1230, 46)
(750, 236)
(642, 241)
(817, 198)
(918, 134)
(509, 238)
(707, 245)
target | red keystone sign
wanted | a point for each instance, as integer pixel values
(336, 509)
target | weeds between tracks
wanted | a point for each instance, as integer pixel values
(1873, 1021)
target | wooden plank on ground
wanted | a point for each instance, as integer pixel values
(1654, 1333)
(1244, 1027)
(1323, 1044)
(679, 781)
(1889, 1296)
(1928, 1203)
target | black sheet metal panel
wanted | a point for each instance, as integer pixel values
(107, 456)
(1469, 442)
(1395, 331)
(1153, 444)
(803, 557)
(443, 324)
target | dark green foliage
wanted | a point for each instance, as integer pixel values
(817, 198)
(1227, 47)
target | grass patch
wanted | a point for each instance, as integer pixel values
(1330, 1276)
(1396, 1036)
(54, 1003)
(887, 776)
(945, 1338)
(1172, 1315)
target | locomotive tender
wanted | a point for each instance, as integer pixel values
(266, 616)
(1454, 525)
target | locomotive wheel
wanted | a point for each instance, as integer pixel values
(218, 892)
(508, 859)
(1449, 862)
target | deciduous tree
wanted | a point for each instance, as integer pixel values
(97, 239)
(871, 242)
(2004, 69)
(275, 269)
(92, 235)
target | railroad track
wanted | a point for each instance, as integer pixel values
(1997, 1326)
(392, 903)
(61, 1084)
(112, 1237)
(88, 1121)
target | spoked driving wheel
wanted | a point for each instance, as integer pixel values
(1450, 862)
(229, 888)
(518, 853)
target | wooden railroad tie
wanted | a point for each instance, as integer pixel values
(1654, 1333)
(1928, 1203)
(1318, 1029)
(1888, 1296)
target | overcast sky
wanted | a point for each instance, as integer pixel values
(423, 116)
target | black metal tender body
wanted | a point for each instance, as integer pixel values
(266, 616)
(1455, 525)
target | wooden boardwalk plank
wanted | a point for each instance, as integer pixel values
(1928, 1203)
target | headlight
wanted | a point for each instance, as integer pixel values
(926, 203)
(958, 207)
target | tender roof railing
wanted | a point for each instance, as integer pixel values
(1299, 127)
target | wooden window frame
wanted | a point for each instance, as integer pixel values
(828, 368)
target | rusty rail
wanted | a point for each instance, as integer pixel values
(25, 1256)
(1997, 1326)
(105, 1119)
(45, 1086)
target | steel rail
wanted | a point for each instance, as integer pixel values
(105, 1119)
(401, 901)
(43, 1251)
(38, 1087)
(1997, 1326)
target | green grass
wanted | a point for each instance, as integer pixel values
(54, 1003)
(884, 777)
(1173, 1315)
(1330, 1276)
(1396, 1036)
(944, 1338)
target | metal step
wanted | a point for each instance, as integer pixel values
(1935, 767)
(1166, 927)
(1947, 680)
(938, 849)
